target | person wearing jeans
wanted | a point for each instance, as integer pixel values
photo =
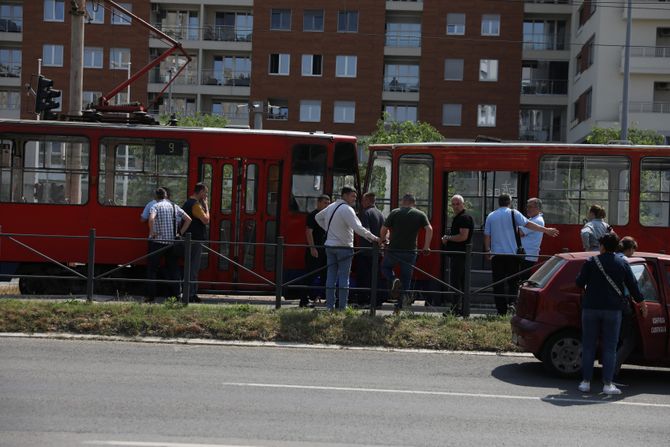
(340, 222)
(604, 277)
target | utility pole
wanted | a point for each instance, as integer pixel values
(626, 74)
(77, 13)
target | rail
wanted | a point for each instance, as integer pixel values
(278, 285)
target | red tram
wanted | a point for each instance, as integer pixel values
(631, 182)
(63, 178)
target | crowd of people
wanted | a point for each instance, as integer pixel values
(511, 242)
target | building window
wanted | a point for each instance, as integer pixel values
(313, 20)
(486, 115)
(347, 22)
(490, 25)
(488, 70)
(12, 18)
(10, 62)
(54, 10)
(279, 64)
(403, 35)
(585, 12)
(453, 69)
(280, 20)
(92, 57)
(345, 66)
(456, 24)
(120, 18)
(311, 65)
(119, 58)
(310, 111)
(344, 112)
(96, 13)
(400, 113)
(585, 56)
(451, 114)
(52, 55)
(10, 100)
(539, 34)
(89, 98)
(277, 109)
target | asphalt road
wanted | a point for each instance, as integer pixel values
(87, 393)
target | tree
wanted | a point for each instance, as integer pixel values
(197, 120)
(414, 177)
(603, 135)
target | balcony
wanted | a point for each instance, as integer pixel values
(647, 10)
(401, 84)
(543, 42)
(404, 5)
(548, 6)
(544, 87)
(647, 60)
(649, 115)
(230, 78)
(649, 107)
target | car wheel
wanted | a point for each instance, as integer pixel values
(562, 354)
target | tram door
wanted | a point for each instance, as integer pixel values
(481, 189)
(244, 206)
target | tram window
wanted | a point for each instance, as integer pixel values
(249, 247)
(52, 169)
(480, 190)
(270, 250)
(224, 245)
(415, 175)
(380, 180)
(344, 168)
(227, 189)
(250, 194)
(206, 178)
(132, 169)
(570, 184)
(655, 192)
(273, 190)
(308, 171)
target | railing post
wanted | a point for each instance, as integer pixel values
(90, 274)
(373, 281)
(279, 271)
(186, 281)
(466, 283)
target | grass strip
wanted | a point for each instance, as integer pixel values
(246, 322)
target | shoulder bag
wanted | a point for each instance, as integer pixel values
(519, 249)
(625, 303)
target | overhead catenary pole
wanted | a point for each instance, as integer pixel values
(626, 74)
(77, 13)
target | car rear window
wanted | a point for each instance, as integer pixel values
(645, 282)
(547, 271)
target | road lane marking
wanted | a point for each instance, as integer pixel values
(445, 393)
(157, 444)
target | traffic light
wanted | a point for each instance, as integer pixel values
(44, 98)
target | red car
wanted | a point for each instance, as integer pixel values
(547, 322)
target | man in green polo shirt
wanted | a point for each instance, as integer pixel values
(401, 228)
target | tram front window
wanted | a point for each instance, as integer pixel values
(308, 170)
(380, 179)
(344, 168)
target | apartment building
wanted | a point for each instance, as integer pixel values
(538, 70)
(112, 42)
(598, 34)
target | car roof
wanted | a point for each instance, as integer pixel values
(639, 256)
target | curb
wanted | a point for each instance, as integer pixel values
(251, 344)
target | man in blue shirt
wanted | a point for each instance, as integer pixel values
(500, 241)
(531, 240)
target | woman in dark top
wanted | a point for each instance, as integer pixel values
(604, 277)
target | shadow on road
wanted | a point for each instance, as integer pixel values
(632, 381)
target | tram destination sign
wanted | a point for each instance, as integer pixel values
(169, 147)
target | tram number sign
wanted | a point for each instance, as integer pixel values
(169, 147)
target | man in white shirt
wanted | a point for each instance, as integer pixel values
(531, 240)
(340, 222)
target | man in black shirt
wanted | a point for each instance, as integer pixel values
(460, 235)
(372, 219)
(315, 255)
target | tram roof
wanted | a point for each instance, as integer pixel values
(508, 144)
(159, 128)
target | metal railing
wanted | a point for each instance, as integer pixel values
(399, 39)
(265, 284)
(221, 33)
(648, 51)
(544, 87)
(401, 84)
(649, 107)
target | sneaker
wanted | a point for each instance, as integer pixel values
(584, 386)
(610, 389)
(396, 288)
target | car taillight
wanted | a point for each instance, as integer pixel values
(526, 303)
